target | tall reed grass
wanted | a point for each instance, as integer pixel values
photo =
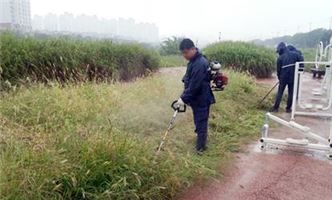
(30, 59)
(245, 57)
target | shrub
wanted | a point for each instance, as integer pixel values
(65, 59)
(170, 46)
(246, 57)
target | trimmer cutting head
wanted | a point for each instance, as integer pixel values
(170, 125)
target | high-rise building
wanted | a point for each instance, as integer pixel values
(38, 22)
(15, 15)
(66, 22)
(92, 26)
(51, 22)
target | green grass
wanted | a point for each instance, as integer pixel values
(173, 61)
(29, 59)
(245, 57)
(97, 141)
(309, 55)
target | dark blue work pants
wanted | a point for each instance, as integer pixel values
(201, 117)
(281, 89)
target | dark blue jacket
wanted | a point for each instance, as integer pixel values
(197, 89)
(293, 49)
(287, 58)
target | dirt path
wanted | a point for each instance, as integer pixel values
(172, 70)
(283, 174)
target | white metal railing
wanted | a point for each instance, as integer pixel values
(297, 95)
(324, 91)
(323, 54)
(324, 144)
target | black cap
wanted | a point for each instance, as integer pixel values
(186, 44)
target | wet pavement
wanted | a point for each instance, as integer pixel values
(279, 172)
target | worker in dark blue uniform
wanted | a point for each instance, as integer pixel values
(197, 91)
(294, 49)
(285, 72)
(301, 67)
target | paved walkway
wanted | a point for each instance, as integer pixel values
(283, 174)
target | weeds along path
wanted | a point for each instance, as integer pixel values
(286, 174)
(97, 141)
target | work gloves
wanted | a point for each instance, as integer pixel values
(179, 103)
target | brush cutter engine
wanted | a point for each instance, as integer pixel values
(218, 79)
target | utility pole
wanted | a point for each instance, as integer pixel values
(219, 36)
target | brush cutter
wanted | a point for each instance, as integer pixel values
(261, 101)
(218, 80)
(171, 123)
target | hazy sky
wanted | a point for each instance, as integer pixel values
(204, 19)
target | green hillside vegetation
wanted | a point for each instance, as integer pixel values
(300, 40)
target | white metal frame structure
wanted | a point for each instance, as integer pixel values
(324, 96)
(322, 145)
(319, 53)
(323, 55)
(323, 93)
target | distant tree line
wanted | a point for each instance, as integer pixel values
(300, 40)
(170, 46)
